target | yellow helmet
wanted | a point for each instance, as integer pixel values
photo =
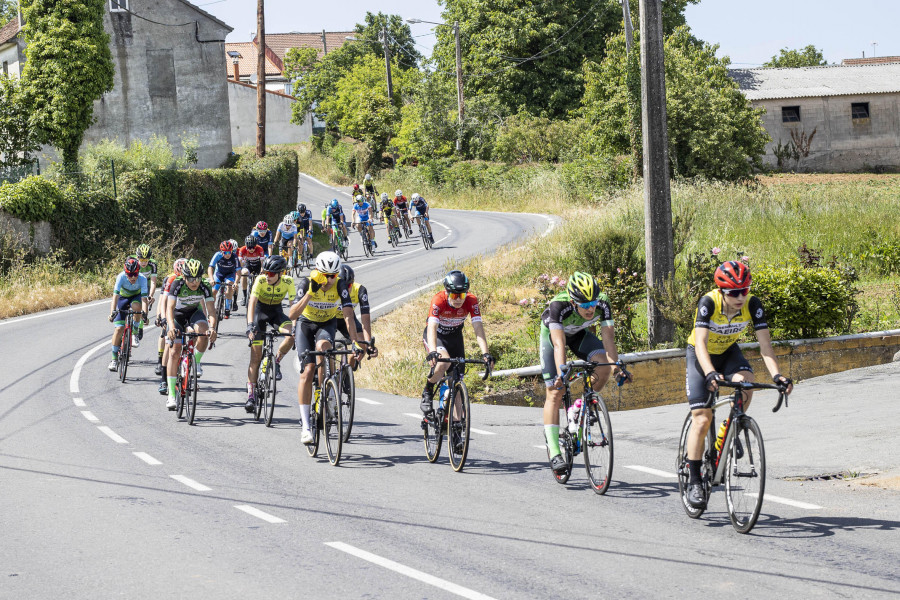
(193, 268)
(582, 287)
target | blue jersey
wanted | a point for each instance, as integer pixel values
(336, 214)
(223, 265)
(420, 205)
(304, 220)
(362, 210)
(126, 289)
(263, 240)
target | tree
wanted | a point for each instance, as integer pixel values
(400, 40)
(714, 131)
(8, 11)
(805, 57)
(17, 140)
(68, 66)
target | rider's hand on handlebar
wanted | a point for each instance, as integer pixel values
(780, 379)
(372, 351)
(112, 317)
(486, 357)
(711, 378)
(431, 358)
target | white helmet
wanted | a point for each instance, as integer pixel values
(328, 262)
(398, 193)
(287, 219)
(384, 196)
(234, 243)
(368, 177)
(414, 196)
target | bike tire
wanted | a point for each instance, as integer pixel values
(683, 471)
(262, 388)
(431, 432)
(331, 422)
(191, 399)
(179, 391)
(567, 446)
(365, 244)
(597, 444)
(314, 426)
(220, 312)
(459, 430)
(271, 391)
(125, 354)
(745, 475)
(348, 399)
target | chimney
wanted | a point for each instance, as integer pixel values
(237, 71)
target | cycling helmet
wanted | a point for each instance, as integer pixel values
(456, 282)
(398, 193)
(226, 246)
(178, 267)
(328, 263)
(143, 251)
(295, 215)
(347, 274)
(301, 208)
(132, 266)
(415, 196)
(288, 219)
(234, 244)
(384, 196)
(732, 275)
(368, 177)
(582, 288)
(275, 264)
(359, 198)
(334, 203)
(192, 268)
(250, 242)
(262, 225)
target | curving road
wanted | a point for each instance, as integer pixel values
(103, 493)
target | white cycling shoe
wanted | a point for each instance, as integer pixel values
(306, 437)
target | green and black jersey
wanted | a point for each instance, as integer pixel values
(186, 299)
(561, 314)
(150, 270)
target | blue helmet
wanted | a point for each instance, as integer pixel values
(334, 203)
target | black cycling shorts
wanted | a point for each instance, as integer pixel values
(728, 363)
(584, 344)
(268, 314)
(342, 327)
(308, 333)
(185, 319)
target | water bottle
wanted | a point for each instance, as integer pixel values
(720, 438)
(573, 414)
(442, 394)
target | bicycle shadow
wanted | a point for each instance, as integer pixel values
(774, 526)
(641, 491)
(481, 466)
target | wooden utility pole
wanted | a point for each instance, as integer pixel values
(626, 15)
(260, 79)
(459, 89)
(387, 62)
(324, 44)
(657, 195)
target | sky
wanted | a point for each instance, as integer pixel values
(750, 33)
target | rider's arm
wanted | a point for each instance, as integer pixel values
(364, 312)
(701, 338)
(277, 236)
(432, 335)
(304, 294)
(478, 326)
(558, 338)
(350, 320)
(608, 335)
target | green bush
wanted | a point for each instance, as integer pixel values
(32, 199)
(593, 177)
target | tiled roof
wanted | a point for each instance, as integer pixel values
(875, 60)
(9, 31)
(278, 44)
(247, 62)
(816, 82)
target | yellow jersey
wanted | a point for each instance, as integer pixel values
(723, 332)
(324, 305)
(273, 294)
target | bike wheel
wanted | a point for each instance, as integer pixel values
(125, 354)
(348, 399)
(745, 475)
(190, 396)
(597, 441)
(567, 448)
(460, 425)
(314, 425)
(365, 244)
(179, 391)
(270, 400)
(262, 387)
(431, 431)
(220, 311)
(683, 471)
(331, 421)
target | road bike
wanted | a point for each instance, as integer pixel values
(370, 198)
(186, 386)
(368, 244)
(452, 415)
(593, 433)
(740, 462)
(348, 383)
(266, 381)
(306, 257)
(125, 350)
(404, 221)
(393, 232)
(423, 231)
(339, 242)
(220, 308)
(326, 409)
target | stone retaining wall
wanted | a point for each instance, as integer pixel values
(37, 236)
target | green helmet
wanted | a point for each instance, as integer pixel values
(582, 287)
(193, 268)
(143, 251)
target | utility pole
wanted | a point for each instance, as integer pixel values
(657, 194)
(260, 79)
(324, 44)
(387, 62)
(626, 14)
(460, 103)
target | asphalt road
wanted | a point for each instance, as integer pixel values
(104, 493)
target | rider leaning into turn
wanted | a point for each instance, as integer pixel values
(362, 217)
(129, 289)
(222, 271)
(420, 213)
(149, 269)
(713, 354)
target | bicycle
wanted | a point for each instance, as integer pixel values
(125, 350)
(407, 226)
(186, 387)
(393, 232)
(740, 464)
(265, 378)
(327, 416)
(339, 243)
(306, 256)
(456, 422)
(423, 231)
(220, 310)
(348, 385)
(593, 430)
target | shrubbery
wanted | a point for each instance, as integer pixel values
(32, 199)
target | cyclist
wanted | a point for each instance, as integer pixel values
(443, 335)
(285, 234)
(189, 306)
(129, 289)
(335, 216)
(303, 220)
(358, 296)
(400, 203)
(713, 354)
(161, 322)
(250, 257)
(322, 298)
(269, 290)
(222, 271)
(570, 320)
(387, 207)
(369, 185)
(263, 236)
(362, 211)
(149, 269)
(420, 212)
(356, 191)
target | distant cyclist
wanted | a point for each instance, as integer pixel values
(362, 217)
(402, 206)
(162, 349)
(369, 186)
(303, 220)
(420, 213)
(130, 287)
(222, 272)
(336, 218)
(250, 257)
(263, 236)
(285, 234)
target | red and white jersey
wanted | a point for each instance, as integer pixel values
(451, 320)
(168, 283)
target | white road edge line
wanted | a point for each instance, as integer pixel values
(147, 458)
(112, 434)
(409, 572)
(90, 416)
(76, 372)
(652, 471)
(482, 431)
(541, 447)
(52, 312)
(367, 401)
(259, 514)
(414, 415)
(79, 402)
(789, 502)
(191, 483)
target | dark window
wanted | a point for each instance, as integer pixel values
(859, 110)
(161, 73)
(115, 5)
(790, 114)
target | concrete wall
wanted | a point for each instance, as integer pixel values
(841, 143)
(9, 54)
(36, 236)
(279, 129)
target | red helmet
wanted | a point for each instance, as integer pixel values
(226, 246)
(355, 186)
(132, 266)
(262, 225)
(733, 275)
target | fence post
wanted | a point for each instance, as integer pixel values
(112, 164)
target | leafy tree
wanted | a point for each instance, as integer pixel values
(8, 11)
(68, 66)
(17, 140)
(401, 43)
(809, 56)
(713, 130)
(428, 121)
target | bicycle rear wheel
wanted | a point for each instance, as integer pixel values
(270, 400)
(597, 440)
(314, 425)
(191, 395)
(683, 471)
(220, 310)
(331, 421)
(262, 387)
(348, 399)
(125, 353)
(459, 429)
(431, 432)
(745, 475)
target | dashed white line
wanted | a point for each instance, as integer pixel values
(191, 483)
(367, 401)
(541, 447)
(79, 402)
(652, 471)
(788, 501)
(259, 514)
(409, 571)
(147, 458)
(414, 415)
(481, 431)
(112, 434)
(90, 416)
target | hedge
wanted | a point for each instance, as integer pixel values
(31, 199)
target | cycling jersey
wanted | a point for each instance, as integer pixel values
(304, 221)
(223, 265)
(335, 215)
(323, 305)
(420, 205)
(127, 289)
(273, 294)
(357, 295)
(387, 207)
(187, 299)
(149, 270)
(450, 320)
(287, 231)
(263, 240)
(724, 332)
(370, 188)
(401, 203)
(561, 314)
(251, 258)
(362, 211)
(167, 283)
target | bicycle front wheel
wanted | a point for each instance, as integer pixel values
(125, 354)
(315, 417)
(191, 395)
(348, 399)
(745, 475)
(331, 423)
(597, 438)
(459, 429)
(263, 380)
(179, 390)
(270, 399)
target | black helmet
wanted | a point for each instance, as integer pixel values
(347, 274)
(250, 241)
(275, 264)
(301, 208)
(456, 282)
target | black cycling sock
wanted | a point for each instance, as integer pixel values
(694, 466)
(164, 373)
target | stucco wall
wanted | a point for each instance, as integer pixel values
(279, 129)
(841, 143)
(10, 54)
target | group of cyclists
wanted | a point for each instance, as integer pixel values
(323, 303)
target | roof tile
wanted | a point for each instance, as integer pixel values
(816, 82)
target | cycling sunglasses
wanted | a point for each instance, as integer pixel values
(273, 273)
(131, 275)
(330, 275)
(737, 293)
(455, 296)
(191, 279)
(587, 305)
